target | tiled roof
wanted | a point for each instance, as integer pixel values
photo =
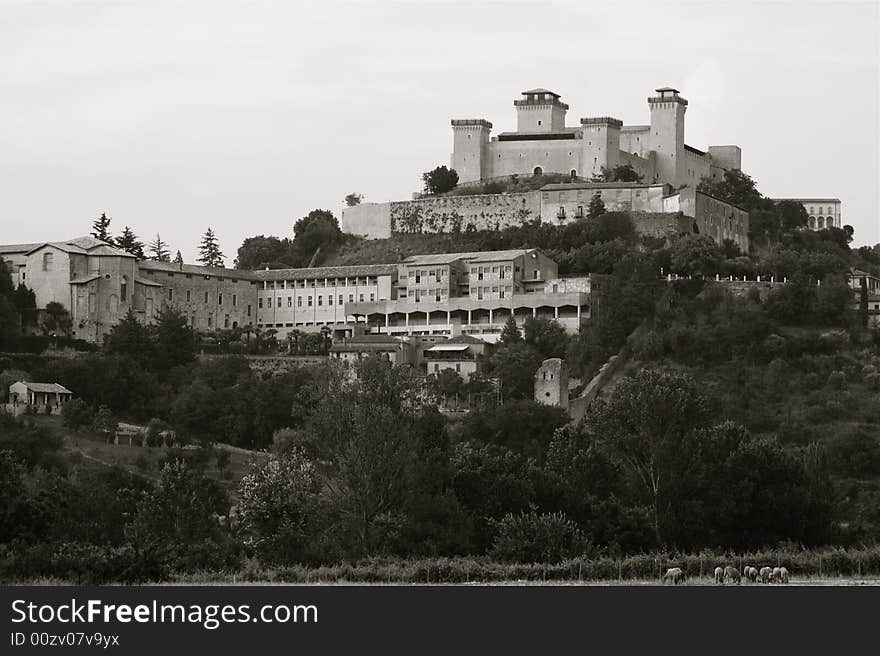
(326, 272)
(541, 90)
(46, 387)
(474, 256)
(218, 272)
(85, 279)
(83, 246)
(18, 248)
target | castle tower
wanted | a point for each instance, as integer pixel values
(470, 139)
(667, 134)
(540, 110)
(551, 383)
(601, 144)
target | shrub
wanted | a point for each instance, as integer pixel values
(76, 414)
(532, 537)
(837, 380)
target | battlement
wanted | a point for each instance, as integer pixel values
(602, 120)
(471, 122)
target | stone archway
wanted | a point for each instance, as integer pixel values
(538, 171)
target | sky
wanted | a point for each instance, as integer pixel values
(177, 116)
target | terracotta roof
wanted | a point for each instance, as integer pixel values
(83, 246)
(85, 279)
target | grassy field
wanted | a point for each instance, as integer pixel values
(83, 447)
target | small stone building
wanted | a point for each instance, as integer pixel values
(551, 383)
(38, 395)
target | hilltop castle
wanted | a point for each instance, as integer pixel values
(543, 143)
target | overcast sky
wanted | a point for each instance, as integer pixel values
(175, 116)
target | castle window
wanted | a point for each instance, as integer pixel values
(170, 294)
(234, 299)
(260, 303)
(469, 136)
(290, 301)
(47, 261)
(188, 295)
(220, 298)
(539, 123)
(123, 289)
(309, 301)
(299, 301)
(206, 298)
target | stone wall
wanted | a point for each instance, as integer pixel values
(370, 220)
(462, 213)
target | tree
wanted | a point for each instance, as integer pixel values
(101, 229)
(209, 251)
(104, 421)
(315, 234)
(362, 427)
(130, 337)
(547, 336)
(736, 188)
(259, 252)
(177, 528)
(596, 206)
(129, 242)
(279, 508)
(159, 250)
(515, 365)
(620, 173)
(510, 334)
(77, 414)
(178, 259)
(175, 341)
(440, 180)
(695, 255)
(353, 199)
(644, 425)
(56, 319)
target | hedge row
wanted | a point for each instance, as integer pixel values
(826, 563)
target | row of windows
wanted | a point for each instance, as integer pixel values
(322, 282)
(171, 274)
(418, 294)
(501, 290)
(188, 296)
(309, 300)
(821, 210)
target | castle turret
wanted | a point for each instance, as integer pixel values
(601, 144)
(667, 134)
(540, 110)
(470, 138)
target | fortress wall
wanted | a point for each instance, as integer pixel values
(521, 157)
(645, 167)
(458, 213)
(371, 220)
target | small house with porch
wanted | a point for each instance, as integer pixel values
(39, 395)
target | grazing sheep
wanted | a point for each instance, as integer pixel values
(783, 574)
(674, 574)
(731, 574)
(719, 575)
(765, 574)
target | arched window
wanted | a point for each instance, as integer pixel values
(538, 171)
(821, 223)
(123, 289)
(574, 174)
(813, 222)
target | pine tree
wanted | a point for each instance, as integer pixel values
(178, 259)
(159, 250)
(101, 229)
(209, 251)
(129, 242)
(596, 206)
(511, 333)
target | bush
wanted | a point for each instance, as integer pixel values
(76, 414)
(837, 380)
(532, 537)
